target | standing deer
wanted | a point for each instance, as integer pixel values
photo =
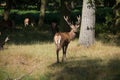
(26, 22)
(54, 27)
(62, 39)
(3, 42)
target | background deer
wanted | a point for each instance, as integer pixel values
(28, 22)
(54, 27)
(2, 43)
(62, 39)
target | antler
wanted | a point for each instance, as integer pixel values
(66, 19)
(78, 19)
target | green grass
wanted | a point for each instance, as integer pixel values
(35, 59)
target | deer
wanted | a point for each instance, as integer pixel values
(2, 43)
(62, 39)
(54, 27)
(26, 22)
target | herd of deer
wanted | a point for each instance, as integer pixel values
(61, 39)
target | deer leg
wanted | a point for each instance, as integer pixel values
(64, 53)
(57, 53)
(66, 50)
(63, 48)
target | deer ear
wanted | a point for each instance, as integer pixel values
(72, 26)
(77, 25)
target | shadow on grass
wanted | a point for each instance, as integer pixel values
(86, 70)
(30, 36)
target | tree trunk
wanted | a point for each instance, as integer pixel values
(64, 11)
(117, 13)
(42, 13)
(87, 31)
(116, 19)
(7, 10)
(6, 15)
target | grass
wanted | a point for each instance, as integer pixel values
(97, 62)
(36, 60)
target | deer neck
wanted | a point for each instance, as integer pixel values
(72, 34)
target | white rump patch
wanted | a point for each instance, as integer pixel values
(57, 40)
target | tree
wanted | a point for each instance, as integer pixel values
(7, 10)
(42, 13)
(117, 13)
(87, 31)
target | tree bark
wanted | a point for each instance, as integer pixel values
(87, 31)
(117, 13)
(6, 15)
(42, 13)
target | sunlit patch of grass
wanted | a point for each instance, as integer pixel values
(98, 50)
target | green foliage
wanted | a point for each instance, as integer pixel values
(105, 20)
(19, 15)
(102, 12)
(109, 23)
(99, 28)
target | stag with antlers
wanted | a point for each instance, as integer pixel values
(62, 39)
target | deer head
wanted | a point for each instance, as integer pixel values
(73, 26)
